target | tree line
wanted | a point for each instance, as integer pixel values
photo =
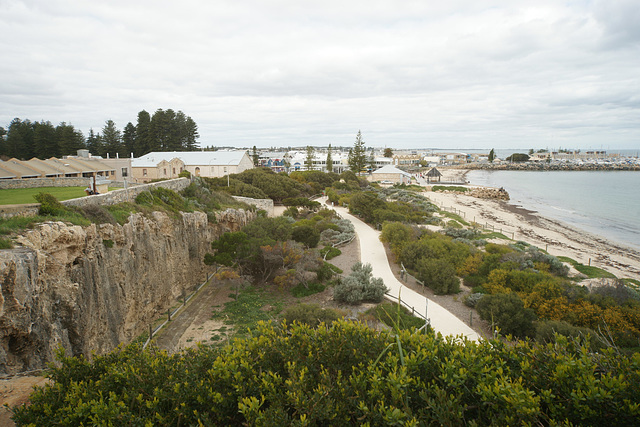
(164, 130)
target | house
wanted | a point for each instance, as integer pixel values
(390, 175)
(169, 164)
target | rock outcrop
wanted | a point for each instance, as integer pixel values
(89, 289)
(489, 193)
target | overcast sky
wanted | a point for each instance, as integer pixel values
(408, 74)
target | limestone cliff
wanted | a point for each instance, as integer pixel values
(92, 288)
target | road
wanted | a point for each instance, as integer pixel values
(372, 251)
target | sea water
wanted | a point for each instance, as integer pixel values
(602, 203)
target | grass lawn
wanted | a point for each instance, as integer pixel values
(25, 195)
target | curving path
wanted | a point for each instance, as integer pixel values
(372, 251)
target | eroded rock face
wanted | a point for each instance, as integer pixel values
(92, 288)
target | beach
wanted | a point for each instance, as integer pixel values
(558, 238)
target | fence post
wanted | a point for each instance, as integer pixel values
(169, 314)
(150, 331)
(470, 318)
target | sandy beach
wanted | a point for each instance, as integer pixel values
(558, 238)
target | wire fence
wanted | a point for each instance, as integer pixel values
(172, 314)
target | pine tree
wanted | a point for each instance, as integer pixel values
(372, 161)
(255, 157)
(144, 139)
(309, 160)
(329, 160)
(128, 139)
(112, 138)
(492, 155)
(357, 155)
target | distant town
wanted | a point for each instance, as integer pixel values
(226, 161)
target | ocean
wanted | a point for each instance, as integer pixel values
(602, 203)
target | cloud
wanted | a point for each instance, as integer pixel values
(283, 72)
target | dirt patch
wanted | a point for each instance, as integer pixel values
(14, 392)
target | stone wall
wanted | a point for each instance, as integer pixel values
(88, 289)
(8, 211)
(6, 184)
(127, 195)
(264, 204)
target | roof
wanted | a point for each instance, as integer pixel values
(390, 169)
(190, 158)
(20, 169)
(62, 165)
(4, 173)
(433, 172)
(47, 169)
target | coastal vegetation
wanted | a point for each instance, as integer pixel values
(345, 373)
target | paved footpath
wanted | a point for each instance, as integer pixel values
(372, 251)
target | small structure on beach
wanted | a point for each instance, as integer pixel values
(433, 174)
(390, 175)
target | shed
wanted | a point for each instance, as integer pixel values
(433, 174)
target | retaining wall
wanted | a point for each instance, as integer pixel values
(127, 195)
(264, 204)
(6, 184)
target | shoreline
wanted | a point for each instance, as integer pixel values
(557, 237)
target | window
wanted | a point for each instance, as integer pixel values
(225, 169)
(165, 171)
(125, 172)
(174, 171)
(144, 172)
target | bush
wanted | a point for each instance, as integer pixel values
(546, 332)
(49, 205)
(508, 313)
(471, 300)
(306, 235)
(98, 214)
(325, 272)
(329, 252)
(396, 316)
(360, 286)
(5, 243)
(310, 314)
(301, 291)
(439, 274)
(346, 374)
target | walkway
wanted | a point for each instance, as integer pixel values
(372, 251)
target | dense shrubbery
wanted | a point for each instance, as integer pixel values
(343, 375)
(310, 314)
(359, 286)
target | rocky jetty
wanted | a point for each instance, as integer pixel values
(489, 193)
(543, 166)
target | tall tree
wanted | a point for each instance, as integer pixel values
(20, 139)
(3, 143)
(94, 144)
(255, 157)
(492, 155)
(191, 135)
(143, 134)
(69, 139)
(128, 139)
(112, 138)
(371, 160)
(357, 155)
(309, 159)
(45, 141)
(388, 152)
(329, 160)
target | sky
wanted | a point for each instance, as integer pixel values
(407, 74)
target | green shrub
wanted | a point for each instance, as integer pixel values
(325, 272)
(306, 235)
(5, 243)
(547, 331)
(346, 374)
(439, 274)
(471, 300)
(329, 252)
(360, 286)
(396, 316)
(108, 243)
(449, 188)
(301, 291)
(49, 205)
(508, 313)
(310, 314)
(98, 214)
